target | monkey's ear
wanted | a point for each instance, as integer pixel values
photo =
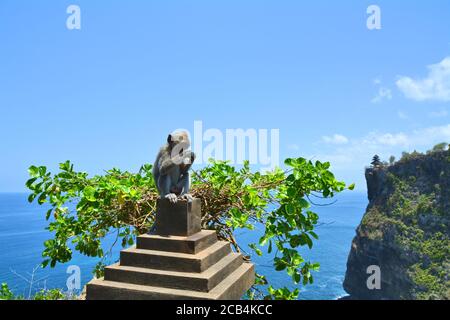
(169, 139)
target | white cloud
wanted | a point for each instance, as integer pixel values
(402, 115)
(438, 114)
(348, 160)
(293, 147)
(377, 81)
(335, 139)
(432, 134)
(389, 139)
(435, 86)
(358, 151)
(425, 137)
(383, 93)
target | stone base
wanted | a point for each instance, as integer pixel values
(194, 266)
(178, 219)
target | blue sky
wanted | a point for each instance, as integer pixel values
(107, 95)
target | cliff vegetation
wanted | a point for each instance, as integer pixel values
(405, 230)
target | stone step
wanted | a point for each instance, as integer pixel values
(236, 284)
(204, 281)
(192, 244)
(174, 261)
(231, 288)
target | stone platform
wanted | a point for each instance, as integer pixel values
(179, 261)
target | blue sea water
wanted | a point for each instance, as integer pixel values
(22, 234)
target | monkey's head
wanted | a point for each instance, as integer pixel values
(179, 140)
(178, 145)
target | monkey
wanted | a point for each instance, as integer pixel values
(171, 168)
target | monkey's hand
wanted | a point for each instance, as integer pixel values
(188, 157)
(172, 197)
(187, 196)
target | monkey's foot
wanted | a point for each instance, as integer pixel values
(172, 197)
(187, 197)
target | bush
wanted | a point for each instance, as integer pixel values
(124, 203)
(53, 294)
(440, 147)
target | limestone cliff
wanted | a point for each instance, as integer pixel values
(405, 230)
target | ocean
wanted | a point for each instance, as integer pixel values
(22, 234)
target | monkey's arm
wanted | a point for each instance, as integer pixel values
(166, 163)
(166, 184)
(184, 183)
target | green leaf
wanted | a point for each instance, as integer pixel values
(314, 235)
(303, 203)
(263, 240)
(297, 277)
(289, 162)
(33, 171)
(31, 197)
(65, 166)
(42, 171)
(89, 194)
(47, 215)
(30, 182)
(42, 198)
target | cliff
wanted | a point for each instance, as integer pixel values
(405, 230)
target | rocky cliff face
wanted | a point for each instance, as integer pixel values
(405, 231)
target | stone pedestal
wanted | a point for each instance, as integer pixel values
(178, 219)
(180, 261)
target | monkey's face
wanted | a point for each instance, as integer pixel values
(178, 143)
(180, 137)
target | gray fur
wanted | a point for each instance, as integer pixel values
(171, 168)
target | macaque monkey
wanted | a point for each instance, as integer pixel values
(171, 168)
